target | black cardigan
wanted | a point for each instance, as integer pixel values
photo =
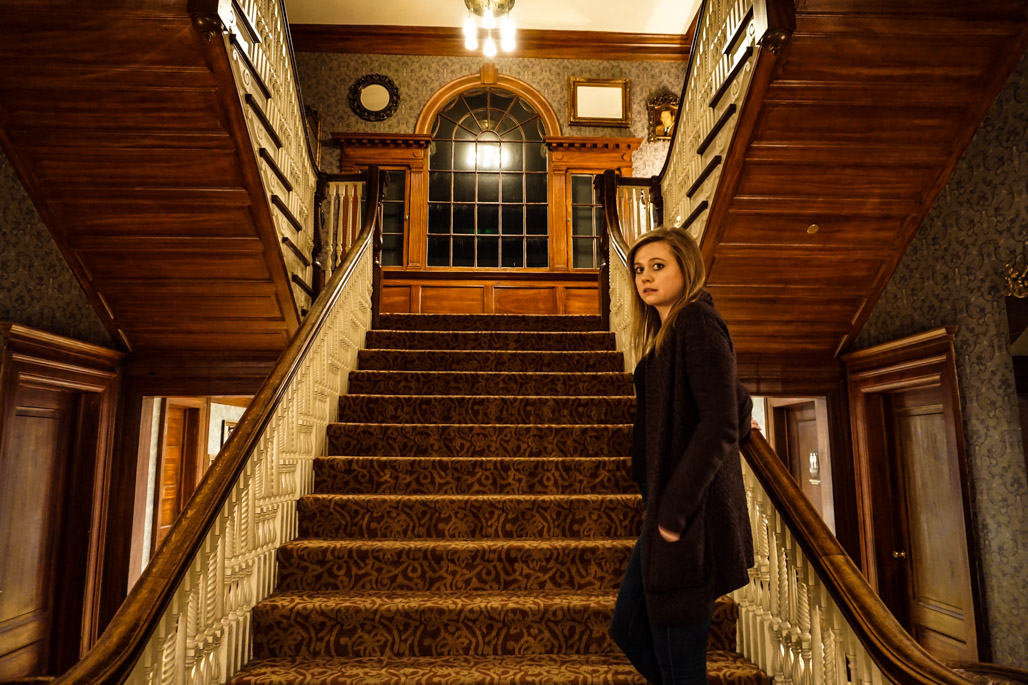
(691, 411)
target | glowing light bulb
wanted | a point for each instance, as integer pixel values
(469, 26)
(471, 41)
(490, 47)
(489, 19)
(507, 34)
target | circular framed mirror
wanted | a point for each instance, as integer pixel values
(374, 97)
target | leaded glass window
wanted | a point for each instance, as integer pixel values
(487, 188)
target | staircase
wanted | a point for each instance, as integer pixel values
(476, 523)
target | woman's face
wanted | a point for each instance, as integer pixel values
(658, 278)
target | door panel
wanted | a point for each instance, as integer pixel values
(939, 598)
(37, 430)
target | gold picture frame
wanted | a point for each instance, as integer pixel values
(600, 102)
(663, 115)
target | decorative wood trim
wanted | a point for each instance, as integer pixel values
(45, 359)
(414, 141)
(919, 360)
(395, 275)
(447, 41)
(487, 76)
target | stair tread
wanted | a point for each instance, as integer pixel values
(501, 600)
(457, 543)
(487, 497)
(526, 669)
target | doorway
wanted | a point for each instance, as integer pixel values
(797, 429)
(915, 522)
(56, 424)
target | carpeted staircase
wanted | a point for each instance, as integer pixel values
(476, 523)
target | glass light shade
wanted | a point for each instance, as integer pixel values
(488, 20)
(490, 47)
(469, 26)
(471, 41)
(507, 34)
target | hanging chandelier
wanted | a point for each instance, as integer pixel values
(490, 13)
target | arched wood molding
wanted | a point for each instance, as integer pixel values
(488, 76)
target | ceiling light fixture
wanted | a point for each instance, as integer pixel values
(490, 12)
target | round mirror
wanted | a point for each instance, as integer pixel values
(374, 97)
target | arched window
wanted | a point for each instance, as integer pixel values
(487, 189)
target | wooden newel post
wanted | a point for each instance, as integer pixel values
(318, 251)
(375, 194)
(656, 201)
(606, 192)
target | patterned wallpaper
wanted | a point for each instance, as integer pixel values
(325, 81)
(953, 274)
(37, 288)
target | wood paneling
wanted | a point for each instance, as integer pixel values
(581, 300)
(396, 299)
(127, 131)
(523, 300)
(449, 42)
(844, 143)
(442, 299)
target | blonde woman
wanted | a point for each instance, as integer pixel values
(691, 412)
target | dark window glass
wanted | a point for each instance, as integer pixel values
(489, 252)
(464, 218)
(463, 251)
(481, 132)
(392, 217)
(489, 219)
(582, 221)
(438, 218)
(513, 252)
(488, 187)
(537, 257)
(463, 187)
(535, 187)
(535, 219)
(513, 190)
(514, 219)
(392, 250)
(438, 251)
(583, 253)
(581, 190)
(439, 186)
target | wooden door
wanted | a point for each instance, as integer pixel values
(796, 442)
(926, 577)
(33, 465)
(179, 452)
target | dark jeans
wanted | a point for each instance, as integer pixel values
(665, 654)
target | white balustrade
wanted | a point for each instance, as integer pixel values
(342, 220)
(789, 625)
(724, 48)
(203, 636)
(635, 211)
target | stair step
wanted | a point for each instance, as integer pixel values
(490, 340)
(453, 565)
(723, 668)
(479, 360)
(473, 476)
(469, 516)
(325, 624)
(488, 322)
(457, 409)
(489, 383)
(487, 440)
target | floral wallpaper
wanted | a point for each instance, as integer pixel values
(953, 274)
(325, 80)
(37, 288)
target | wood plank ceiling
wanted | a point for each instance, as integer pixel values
(868, 111)
(126, 129)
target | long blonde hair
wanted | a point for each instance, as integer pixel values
(648, 332)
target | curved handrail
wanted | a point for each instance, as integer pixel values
(113, 656)
(900, 658)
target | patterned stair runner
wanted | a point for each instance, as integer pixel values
(476, 519)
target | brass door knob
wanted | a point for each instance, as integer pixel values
(899, 555)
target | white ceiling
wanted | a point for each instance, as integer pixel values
(634, 16)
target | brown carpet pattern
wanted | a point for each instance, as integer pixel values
(473, 519)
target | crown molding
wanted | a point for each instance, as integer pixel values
(446, 41)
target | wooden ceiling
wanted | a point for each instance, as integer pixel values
(867, 112)
(126, 129)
